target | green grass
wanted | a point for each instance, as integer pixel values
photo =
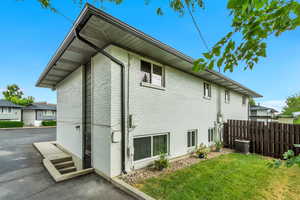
(228, 177)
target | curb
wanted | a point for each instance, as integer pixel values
(130, 190)
(20, 128)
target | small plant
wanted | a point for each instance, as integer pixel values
(49, 123)
(202, 151)
(290, 159)
(162, 162)
(218, 146)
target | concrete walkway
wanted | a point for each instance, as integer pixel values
(23, 177)
(49, 150)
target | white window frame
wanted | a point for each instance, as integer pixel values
(157, 156)
(146, 84)
(190, 138)
(227, 96)
(6, 110)
(207, 95)
(47, 113)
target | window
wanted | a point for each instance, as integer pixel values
(160, 144)
(142, 148)
(5, 110)
(150, 146)
(210, 134)
(207, 90)
(191, 138)
(151, 73)
(244, 100)
(48, 113)
(227, 96)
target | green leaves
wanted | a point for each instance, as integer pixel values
(14, 94)
(159, 11)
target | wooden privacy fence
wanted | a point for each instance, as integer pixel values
(269, 139)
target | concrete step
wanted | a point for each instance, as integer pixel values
(64, 164)
(60, 160)
(67, 170)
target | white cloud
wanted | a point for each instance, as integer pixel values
(276, 104)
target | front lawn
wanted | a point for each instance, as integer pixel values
(230, 177)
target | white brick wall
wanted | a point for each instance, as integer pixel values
(69, 113)
(175, 110)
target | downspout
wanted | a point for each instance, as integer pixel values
(123, 105)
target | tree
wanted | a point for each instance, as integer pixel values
(292, 104)
(252, 102)
(12, 91)
(14, 94)
(252, 20)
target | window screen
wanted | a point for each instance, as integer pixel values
(142, 148)
(160, 144)
(157, 75)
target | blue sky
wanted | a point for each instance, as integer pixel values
(30, 35)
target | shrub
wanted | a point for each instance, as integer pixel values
(49, 123)
(218, 145)
(11, 124)
(161, 163)
(202, 151)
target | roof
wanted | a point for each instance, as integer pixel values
(258, 107)
(5, 103)
(38, 106)
(103, 30)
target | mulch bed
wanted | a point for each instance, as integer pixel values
(139, 175)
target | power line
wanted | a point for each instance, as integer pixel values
(198, 28)
(64, 16)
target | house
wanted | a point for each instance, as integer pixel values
(262, 113)
(10, 111)
(285, 119)
(34, 114)
(124, 97)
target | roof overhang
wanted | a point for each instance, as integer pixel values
(104, 30)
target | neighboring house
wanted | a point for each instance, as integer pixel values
(285, 119)
(10, 111)
(34, 114)
(124, 97)
(262, 113)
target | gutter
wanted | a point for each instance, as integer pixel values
(123, 105)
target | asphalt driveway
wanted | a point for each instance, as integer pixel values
(22, 175)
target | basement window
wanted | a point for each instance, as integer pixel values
(210, 134)
(150, 146)
(191, 138)
(152, 74)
